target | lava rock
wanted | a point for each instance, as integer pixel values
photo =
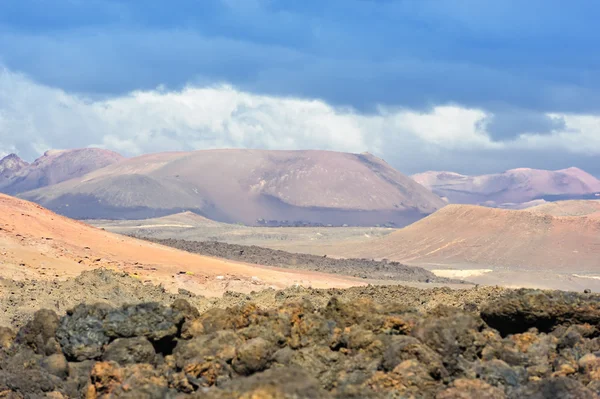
(285, 382)
(39, 333)
(252, 356)
(526, 308)
(188, 311)
(81, 333)
(7, 337)
(466, 389)
(129, 350)
(150, 320)
(206, 359)
(57, 365)
(400, 348)
(562, 387)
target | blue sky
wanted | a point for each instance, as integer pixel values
(530, 68)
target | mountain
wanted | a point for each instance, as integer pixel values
(469, 235)
(53, 167)
(38, 244)
(247, 186)
(513, 186)
(9, 166)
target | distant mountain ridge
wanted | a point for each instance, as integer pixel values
(10, 165)
(513, 186)
(55, 166)
(245, 186)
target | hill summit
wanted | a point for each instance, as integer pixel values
(246, 186)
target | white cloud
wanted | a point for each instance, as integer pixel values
(34, 118)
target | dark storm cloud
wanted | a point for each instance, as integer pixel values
(534, 55)
(517, 61)
(508, 124)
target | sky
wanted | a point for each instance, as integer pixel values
(464, 85)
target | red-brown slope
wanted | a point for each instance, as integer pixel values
(36, 243)
(473, 235)
(57, 166)
(246, 185)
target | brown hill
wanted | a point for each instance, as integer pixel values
(245, 186)
(569, 208)
(513, 186)
(470, 235)
(54, 167)
(38, 244)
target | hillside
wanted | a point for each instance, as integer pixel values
(513, 186)
(16, 176)
(38, 244)
(569, 208)
(471, 235)
(247, 186)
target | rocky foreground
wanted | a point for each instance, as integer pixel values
(360, 343)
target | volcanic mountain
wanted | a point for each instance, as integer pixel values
(53, 167)
(9, 166)
(38, 244)
(247, 186)
(469, 235)
(513, 186)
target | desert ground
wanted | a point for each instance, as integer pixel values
(90, 313)
(38, 244)
(105, 334)
(192, 227)
(553, 245)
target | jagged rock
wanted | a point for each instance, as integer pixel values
(220, 319)
(40, 332)
(150, 320)
(526, 308)
(468, 389)
(7, 337)
(81, 333)
(453, 334)
(355, 349)
(409, 378)
(562, 387)
(206, 359)
(268, 384)
(186, 309)
(108, 379)
(87, 329)
(57, 365)
(78, 381)
(499, 374)
(401, 348)
(252, 356)
(129, 350)
(23, 372)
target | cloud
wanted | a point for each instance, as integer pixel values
(35, 117)
(508, 124)
(214, 116)
(351, 52)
